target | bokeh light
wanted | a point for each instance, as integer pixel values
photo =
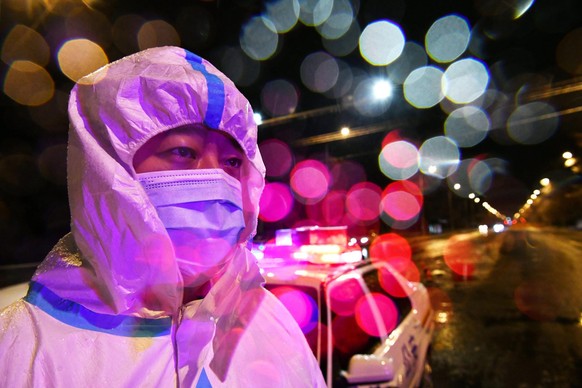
(310, 180)
(344, 296)
(319, 71)
(25, 44)
(258, 38)
(237, 66)
(283, 14)
(346, 44)
(438, 156)
(401, 201)
(381, 43)
(363, 201)
(399, 160)
(461, 178)
(422, 87)
(465, 80)
(413, 57)
(343, 84)
(532, 123)
(467, 126)
(460, 256)
(330, 210)
(277, 156)
(394, 285)
(376, 314)
(279, 97)
(346, 173)
(79, 57)
(522, 7)
(276, 202)
(315, 12)
(28, 83)
(87, 23)
(569, 52)
(390, 247)
(339, 21)
(301, 306)
(480, 176)
(157, 33)
(427, 183)
(447, 38)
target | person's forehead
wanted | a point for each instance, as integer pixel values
(205, 132)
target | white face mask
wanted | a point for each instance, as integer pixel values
(202, 212)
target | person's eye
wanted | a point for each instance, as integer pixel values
(234, 162)
(183, 152)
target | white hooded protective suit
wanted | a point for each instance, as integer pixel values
(105, 308)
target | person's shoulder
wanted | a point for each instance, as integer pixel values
(274, 317)
(15, 316)
(19, 330)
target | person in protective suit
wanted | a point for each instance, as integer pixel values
(154, 286)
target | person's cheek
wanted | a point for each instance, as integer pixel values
(233, 172)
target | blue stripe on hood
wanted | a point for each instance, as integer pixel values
(74, 314)
(215, 92)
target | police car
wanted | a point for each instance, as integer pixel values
(367, 325)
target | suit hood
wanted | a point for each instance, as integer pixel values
(118, 258)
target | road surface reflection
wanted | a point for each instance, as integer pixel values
(508, 307)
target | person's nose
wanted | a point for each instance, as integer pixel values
(209, 160)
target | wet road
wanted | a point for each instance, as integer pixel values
(511, 314)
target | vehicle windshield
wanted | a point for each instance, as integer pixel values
(364, 310)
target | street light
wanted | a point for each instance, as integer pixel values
(570, 162)
(382, 89)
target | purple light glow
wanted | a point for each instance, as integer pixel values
(302, 307)
(276, 202)
(347, 173)
(344, 297)
(402, 200)
(363, 202)
(395, 250)
(330, 210)
(374, 309)
(310, 180)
